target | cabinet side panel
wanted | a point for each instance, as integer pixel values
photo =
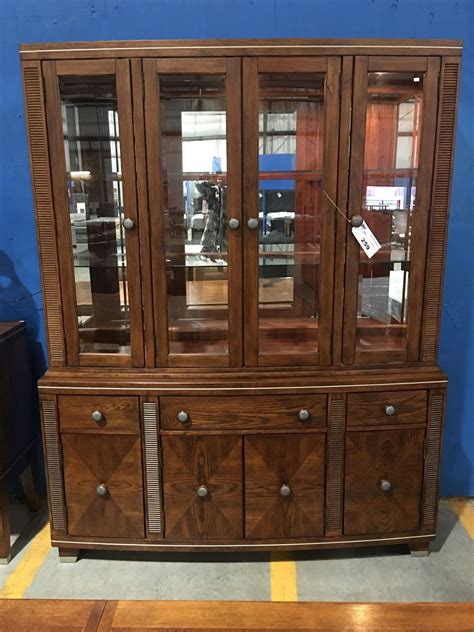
(39, 161)
(335, 464)
(152, 469)
(432, 458)
(53, 465)
(439, 207)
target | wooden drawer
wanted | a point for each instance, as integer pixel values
(383, 481)
(120, 415)
(372, 408)
(259, 412)
(202, 487)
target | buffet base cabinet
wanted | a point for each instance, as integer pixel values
(255, 468)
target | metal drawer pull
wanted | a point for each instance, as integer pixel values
(97, 416)
(385, 485)
(128, 223)
(234, 223)
(303, 414)
(183, 416)
(357, 220)
(285, 490)
(389, 410)
(202, 491)
(252, 223)
(101, 490)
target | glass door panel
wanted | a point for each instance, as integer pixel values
(90, 131)
(391, 159)
(393, 127)
(291, 139)
(194, 168)
(194, 179)
(96, 212)
(290, 142)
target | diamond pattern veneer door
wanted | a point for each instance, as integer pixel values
(210, 462)
(284, 486)
(115, 462)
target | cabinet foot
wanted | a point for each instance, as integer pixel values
(420, 549)
(5, 560)
(68, 556)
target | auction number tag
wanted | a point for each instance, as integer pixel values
(366, 239)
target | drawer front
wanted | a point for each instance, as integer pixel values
(390, 407)
(284, 486)
(99, 414)
(202, 487)
(260, 412)
(103, 485)
(383, 481)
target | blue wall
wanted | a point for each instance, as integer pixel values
(63, 20)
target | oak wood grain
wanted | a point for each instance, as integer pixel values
(369, 408)
(111, 460)
(392, 455)
(263, 412)
(274, 461)
(191, 462)
(264, 616)
(120, 414)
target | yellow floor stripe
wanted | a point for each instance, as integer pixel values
(20, 579)
(465, 511)
(283, 578)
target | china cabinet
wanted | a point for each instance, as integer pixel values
(228, 369)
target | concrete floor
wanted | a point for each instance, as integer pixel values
(382, 574)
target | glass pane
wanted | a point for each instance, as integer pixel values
(194, 166)
(392, 144)
(291, 133)
(95, 194)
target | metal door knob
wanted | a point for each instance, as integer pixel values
(252, 223)
(234, 223)
(385, 485)
(303, 414)
(357, 220)
(183, 416)
(285, 490)
(97, 416)
(202, 491)
(128, 223)
(101, 490)
(389, 410)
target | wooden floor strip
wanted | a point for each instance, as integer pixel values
(123, 616)
(42, 615)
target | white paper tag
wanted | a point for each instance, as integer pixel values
(366, 239)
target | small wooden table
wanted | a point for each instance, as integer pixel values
(19, 426)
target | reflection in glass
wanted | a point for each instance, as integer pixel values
(291, 132)
(194, 166)
(392, 147)
(95, 196)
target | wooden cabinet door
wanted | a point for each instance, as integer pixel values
(390, 459)
(103, 485)
(290, 145)
(193, 129)
(90, 130)
(284, 486)
(202, 487)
